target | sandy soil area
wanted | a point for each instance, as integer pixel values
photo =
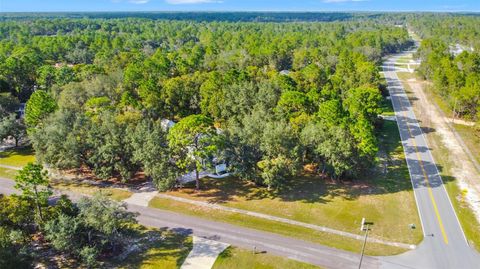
(464, 170)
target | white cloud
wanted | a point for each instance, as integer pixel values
(138, 1)
(180, 2)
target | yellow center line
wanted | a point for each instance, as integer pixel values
(440, 223)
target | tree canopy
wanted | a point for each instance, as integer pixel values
(245, 93)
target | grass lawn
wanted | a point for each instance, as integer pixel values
(159, 249)
(235, 258)
(17, 156)
(386, 199)
(7, 173)
(115, 194)
(284, 229)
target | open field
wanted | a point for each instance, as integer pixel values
(235, 258)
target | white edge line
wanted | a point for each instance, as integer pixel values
(405, 153)
(435, 164)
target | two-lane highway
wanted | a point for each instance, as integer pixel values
(444, 245)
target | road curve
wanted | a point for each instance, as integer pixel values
(444, 244)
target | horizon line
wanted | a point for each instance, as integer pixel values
(251, 11)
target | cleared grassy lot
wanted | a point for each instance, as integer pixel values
(113, 193)
(17, 157)
(274, 227)
(158, 249)
(385, 199)
(235, 258)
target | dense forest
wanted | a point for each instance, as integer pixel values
(266, 98)
(450, 58)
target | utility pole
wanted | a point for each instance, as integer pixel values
(364, 227)
(454, 112)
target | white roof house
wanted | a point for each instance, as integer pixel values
(220, 168)
(21, 110)
(166, 124)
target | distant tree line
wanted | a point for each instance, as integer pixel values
(456, 78)
(204, 16)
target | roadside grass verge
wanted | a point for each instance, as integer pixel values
(284, 229)
(471, 139)
(468, 221)
(18, 157)
(236, 258)
(158, 249)
(466, 217)
(112, 193)
(467, 133)
(387, 108)
(385, 196)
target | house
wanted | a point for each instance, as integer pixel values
(21, 111)
(221, 170)
(285, 72)
(166, 124)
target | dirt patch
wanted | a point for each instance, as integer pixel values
(461, 122)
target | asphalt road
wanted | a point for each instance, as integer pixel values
(444, 244)
(238, 236)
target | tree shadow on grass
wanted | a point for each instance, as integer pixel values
(220, 190)
(227, 253)
(20, 150)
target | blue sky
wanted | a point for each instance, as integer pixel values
(239, 5)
